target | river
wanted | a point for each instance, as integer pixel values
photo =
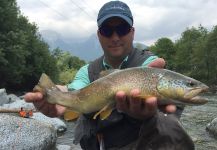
(194, 120)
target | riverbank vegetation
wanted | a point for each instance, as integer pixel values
(193, 54)
(24, 55)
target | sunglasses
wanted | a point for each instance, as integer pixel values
(121, 30)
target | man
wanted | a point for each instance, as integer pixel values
(134, 124)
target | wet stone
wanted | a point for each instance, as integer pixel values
(212, 127)
(26, 134)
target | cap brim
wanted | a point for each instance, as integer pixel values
(127, 19)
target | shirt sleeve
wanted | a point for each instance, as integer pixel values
(81, 79)
(149, 60)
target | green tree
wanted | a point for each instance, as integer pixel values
(211, 56)
(199, 56)
(23, 54)
(164, 48)
(185, 48)
(67, 65)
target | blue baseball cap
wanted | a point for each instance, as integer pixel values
(115, 9)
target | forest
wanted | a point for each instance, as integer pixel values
(24, 55)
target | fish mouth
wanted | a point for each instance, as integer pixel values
(199, 100)
(194, 95)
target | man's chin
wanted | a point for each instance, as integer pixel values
(117, 55)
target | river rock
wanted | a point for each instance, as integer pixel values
(3, 97)
(12, 98)
(17, 104)
(63, 147)
(212, 127)
(58, 124)
(25, 134)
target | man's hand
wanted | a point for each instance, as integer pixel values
(136, 107)
(46, 108)
(139, 108)
(157, 63)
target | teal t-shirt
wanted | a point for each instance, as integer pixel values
(82, 79)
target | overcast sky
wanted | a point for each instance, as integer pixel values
(153, 19)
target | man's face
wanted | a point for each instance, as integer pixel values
(116, 38)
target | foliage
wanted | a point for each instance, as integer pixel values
(23, 54)
(211, 56)
(164, 48)
(67, 65)
(185, 47)
(194, 54)
(67, 76)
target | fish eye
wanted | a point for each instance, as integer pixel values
(190, 83)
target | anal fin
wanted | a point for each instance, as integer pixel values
(70, 115)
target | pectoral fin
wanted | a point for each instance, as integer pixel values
(70, 115)
(104, 112)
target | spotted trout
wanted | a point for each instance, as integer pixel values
(99, 96)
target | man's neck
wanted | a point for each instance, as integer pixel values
(114, 62)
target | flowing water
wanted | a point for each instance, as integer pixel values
(194, 120)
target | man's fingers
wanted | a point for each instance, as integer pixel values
(138, 107)
(150, 106)
(158, 63)
(170, 108)
(31, 97)
(135, 102)
(167, 108)
(122, 103)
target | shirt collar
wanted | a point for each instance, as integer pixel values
(107, 66)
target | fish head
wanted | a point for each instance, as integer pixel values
(181, 89)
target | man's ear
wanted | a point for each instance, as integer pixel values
(132, 32)
(98, 34)
(133, 29)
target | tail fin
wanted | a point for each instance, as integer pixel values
(55, 96)
(44, 83)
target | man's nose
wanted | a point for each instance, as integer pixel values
(115, 36)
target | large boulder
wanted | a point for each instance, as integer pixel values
(26, 134)
(58, 124)
(18, 104)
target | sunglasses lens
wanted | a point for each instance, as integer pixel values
(106, 31)
(121, 30)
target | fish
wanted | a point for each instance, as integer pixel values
(99, 96)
